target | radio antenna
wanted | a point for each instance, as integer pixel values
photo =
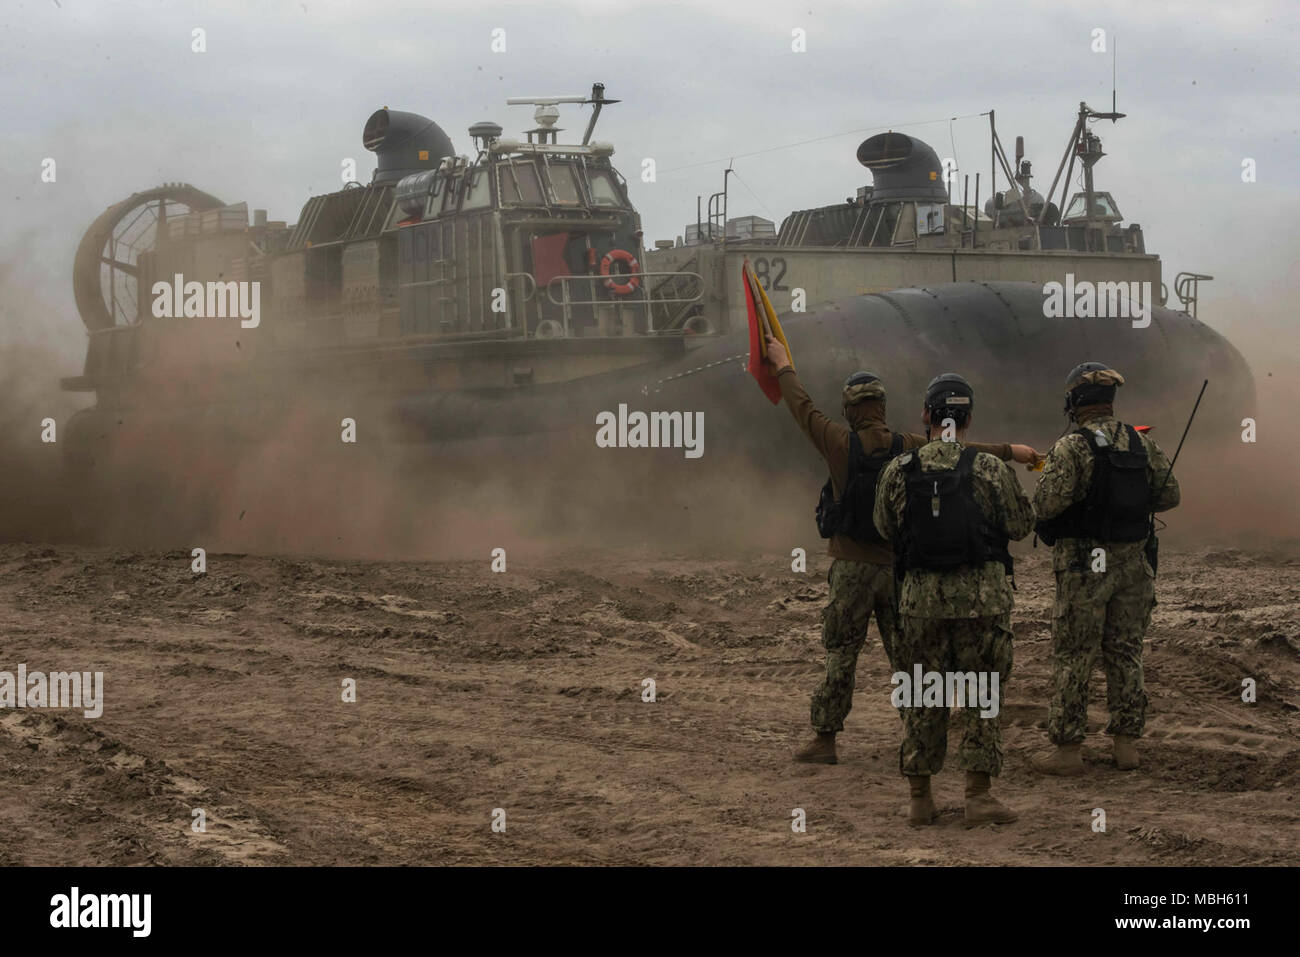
(1114, 55)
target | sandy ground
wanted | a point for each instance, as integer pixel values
(523, 691)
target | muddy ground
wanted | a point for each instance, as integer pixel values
(522, 690)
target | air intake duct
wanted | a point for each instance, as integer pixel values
(405, 143)
(903, 169)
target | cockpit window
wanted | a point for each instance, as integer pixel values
(520, 185)
(449, 193)
(564, 188)
(478, 193)
(434, 203)
(1103, 207)
(603, 190)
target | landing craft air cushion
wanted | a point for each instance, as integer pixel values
(509, 293)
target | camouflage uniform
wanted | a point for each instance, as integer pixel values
(954, 620)
(947, 645)
(1098, 614)
(857, 590)
(861, 576)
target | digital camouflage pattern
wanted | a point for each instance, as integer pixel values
(965, 592)
(1105, 613)
(1100, 614)
(861, 392)
(943, 645)
(866, 416)
(869, 564)
(857, 590)
(1067, 474)
(1102, 377)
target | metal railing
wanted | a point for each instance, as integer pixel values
(1187, 288)
(638, 298)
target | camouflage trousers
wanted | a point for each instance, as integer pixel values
(947, 645)
(857, 590)
(1100, 614)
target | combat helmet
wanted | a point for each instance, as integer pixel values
(861, 386)
(950, 393)
(1091, 383)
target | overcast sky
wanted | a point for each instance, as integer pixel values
(113, 92)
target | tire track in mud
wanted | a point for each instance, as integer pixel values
(142, 795)
(524, 691)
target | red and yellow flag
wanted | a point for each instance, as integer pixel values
(762, 323)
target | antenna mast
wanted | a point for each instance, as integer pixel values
(1114, 55)
(597, 100)
(548, 112)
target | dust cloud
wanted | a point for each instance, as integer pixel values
(278, 480)
(34, 354)
(1242, 493)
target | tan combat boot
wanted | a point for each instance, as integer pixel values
(982, 807)
(821, 750)
(1126, 752)
(1066, 760)
(921, 811)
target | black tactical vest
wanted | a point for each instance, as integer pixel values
(943, 526)
(851, 516)
(1117, 507)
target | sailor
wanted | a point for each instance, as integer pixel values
(950, 511)
(861, 574)
(1100, 486)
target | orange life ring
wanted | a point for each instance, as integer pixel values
(633, 280)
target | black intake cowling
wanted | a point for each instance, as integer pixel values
(903, 169)
(405, 143)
